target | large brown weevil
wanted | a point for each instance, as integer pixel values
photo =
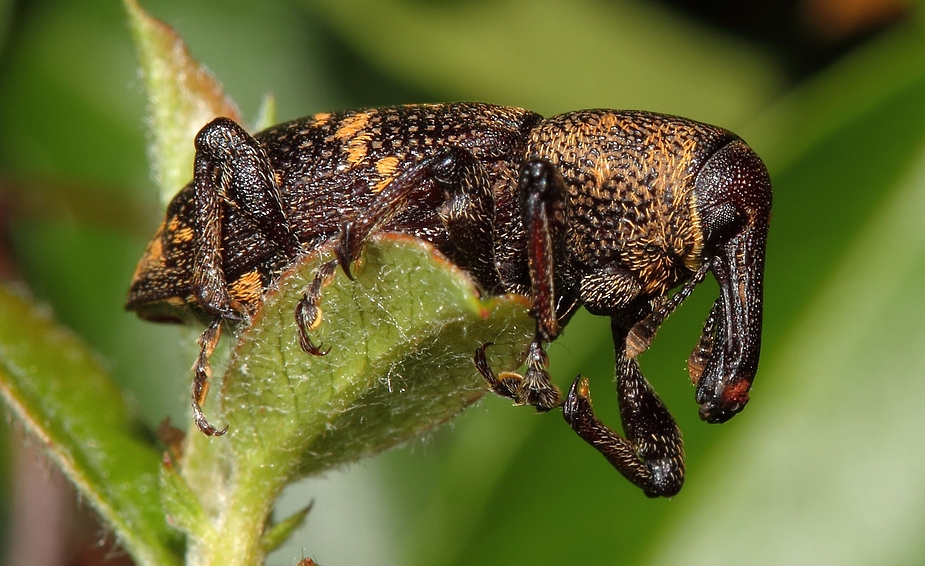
(603, 209)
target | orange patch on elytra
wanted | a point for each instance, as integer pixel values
(351, 126)
(357, 148)
(182, 236)
(382, 184)
(153, 258)
(248, 288)
(386, 166)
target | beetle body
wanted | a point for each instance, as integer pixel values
(602, 209)
(329, 167)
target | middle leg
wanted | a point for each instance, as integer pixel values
(543, 199)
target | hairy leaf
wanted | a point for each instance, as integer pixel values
(68, 405)
(402, 336)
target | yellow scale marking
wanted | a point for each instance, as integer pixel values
(357, 148)
(248, 288)
(386, 168)
(153, 258)
(182, 235)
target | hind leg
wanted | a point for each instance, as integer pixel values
(467, 214)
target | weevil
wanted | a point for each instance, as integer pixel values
(602, 209)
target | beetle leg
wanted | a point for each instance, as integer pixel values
(532, 388)
(208, 279)
(543, 198)
(537, 389)
(643, 332)
(202, 372)
(467, 213)
(651, 455)
(231, 169)
(506, 384)
(308, 313)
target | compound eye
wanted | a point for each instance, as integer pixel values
(722, 222)
(733, 193)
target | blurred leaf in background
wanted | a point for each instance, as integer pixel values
(826, 464)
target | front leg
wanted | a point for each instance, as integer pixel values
(544, 206)
(643, 332)
(651, 455)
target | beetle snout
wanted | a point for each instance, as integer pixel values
(730, 402)
(734, 201)
(734, 342)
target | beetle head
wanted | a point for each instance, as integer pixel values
(733, 195)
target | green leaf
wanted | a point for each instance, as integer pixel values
(182, 506)
(281, 531)
(182, 97)
(402, 338)
(55, 388)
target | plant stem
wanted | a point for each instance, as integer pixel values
(243, 510)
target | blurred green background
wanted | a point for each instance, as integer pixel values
(827, 465)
